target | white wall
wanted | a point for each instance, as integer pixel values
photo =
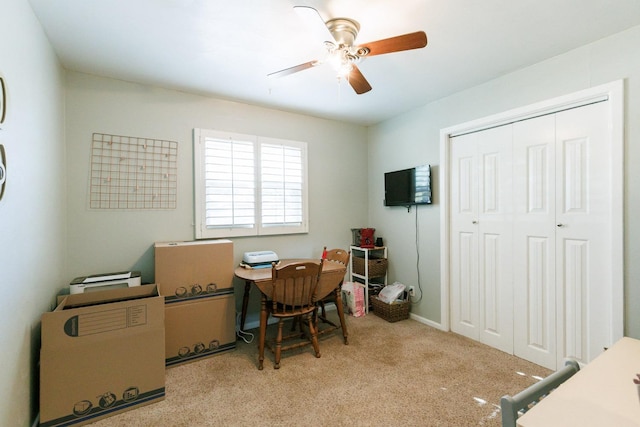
(413, 138)
(32, 211)
(112, 240)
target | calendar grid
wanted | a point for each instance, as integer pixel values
(132, 173)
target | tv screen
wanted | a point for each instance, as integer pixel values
(408, 186)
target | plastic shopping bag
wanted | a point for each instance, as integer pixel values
(390, 293)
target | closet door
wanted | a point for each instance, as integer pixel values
(481, 230)
(464, 236)
(535, 229)
(562, 229)
(534, 250)
(583, 232)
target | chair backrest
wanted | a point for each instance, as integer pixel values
(513, 406)
(294, 286)
(337, 255)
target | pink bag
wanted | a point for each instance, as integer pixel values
(353, 298)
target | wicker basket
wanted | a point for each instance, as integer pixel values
(377, 266)
(391, 312)
(374, 290)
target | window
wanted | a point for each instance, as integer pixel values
(247, 185)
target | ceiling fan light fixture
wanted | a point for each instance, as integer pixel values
(345, 70)
(341, 60)
(342, 53)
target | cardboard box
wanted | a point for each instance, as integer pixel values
(102, 353)
(200, 327)
(192, 269)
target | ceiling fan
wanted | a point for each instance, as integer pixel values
(342, 52)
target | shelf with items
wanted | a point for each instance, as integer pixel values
(369, 267)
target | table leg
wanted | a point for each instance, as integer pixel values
(245, 303)
(263, 331)
(343, 323)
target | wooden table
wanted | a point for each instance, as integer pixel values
(600, 394)
(332, 275)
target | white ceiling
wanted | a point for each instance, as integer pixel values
(226, 48)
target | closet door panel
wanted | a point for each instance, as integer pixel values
(583, 219)
(467, 285)
(464, 236)
(495, 237)
(575, 292)
(539, 297)
(534, 249)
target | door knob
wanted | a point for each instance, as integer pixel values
(474, 222)
(560, 225)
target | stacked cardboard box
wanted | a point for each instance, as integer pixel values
(102, 353)
(196, 279)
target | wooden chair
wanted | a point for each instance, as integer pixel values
(342, 257)
(292, 296)
(513, 406)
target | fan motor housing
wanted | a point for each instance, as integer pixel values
(343, 30)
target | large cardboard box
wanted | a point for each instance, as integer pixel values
(102, 353)
(198, 328)
(192, 269)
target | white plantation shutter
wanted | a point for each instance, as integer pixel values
(247, 185)
(229, 183)
(282, 181)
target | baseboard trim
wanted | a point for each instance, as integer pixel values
(254, 324)
(427, 322)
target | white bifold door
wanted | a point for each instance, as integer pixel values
(530, 236)
(481, 237)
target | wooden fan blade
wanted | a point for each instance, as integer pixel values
(358, 82)
(292, 70)
(409, 41)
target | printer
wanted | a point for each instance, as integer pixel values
(101, 282)
(259, 259)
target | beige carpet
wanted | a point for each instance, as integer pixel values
(390, 374)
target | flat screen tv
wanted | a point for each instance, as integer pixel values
(408, 187)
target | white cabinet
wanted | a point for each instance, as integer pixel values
(369, 267)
